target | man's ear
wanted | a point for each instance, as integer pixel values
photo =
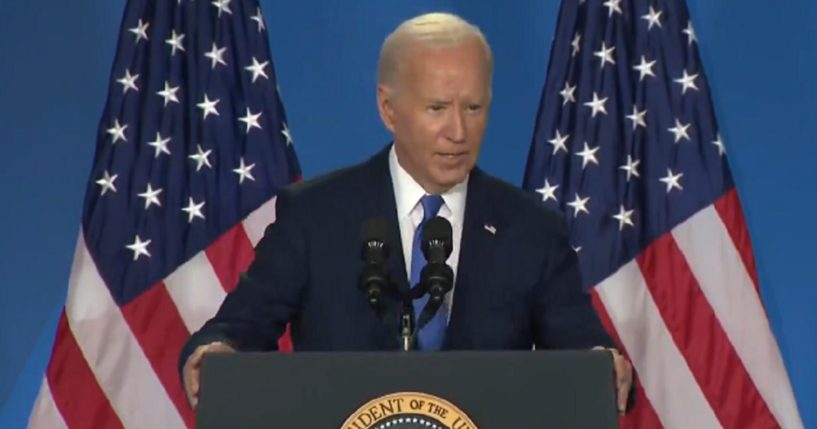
(385, 101)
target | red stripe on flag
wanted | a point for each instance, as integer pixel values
(285, 342)
(76, 393)
(230, 255)
(701, 339)
(160, 331)
(731, 214)
(642, 415)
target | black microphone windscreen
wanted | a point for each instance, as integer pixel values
(374, 238)
(437, 242)
(376, 229)
(437, 228)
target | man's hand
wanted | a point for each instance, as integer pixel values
(623, 377)
(192, 366)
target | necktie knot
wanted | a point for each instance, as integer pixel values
(431, 205)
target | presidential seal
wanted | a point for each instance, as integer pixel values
(408, 410)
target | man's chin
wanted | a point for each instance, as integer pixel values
(448, 181)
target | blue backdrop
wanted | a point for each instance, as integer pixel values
(55, 60)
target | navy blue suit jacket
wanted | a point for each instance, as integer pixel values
(515, 288)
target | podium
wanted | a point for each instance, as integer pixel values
(394, 390)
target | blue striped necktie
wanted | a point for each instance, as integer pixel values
(431, 336)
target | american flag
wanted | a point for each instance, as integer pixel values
(191, 149)
(627, 146)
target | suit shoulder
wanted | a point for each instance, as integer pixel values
(327, 186)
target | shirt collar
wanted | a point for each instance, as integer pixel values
(407, 192)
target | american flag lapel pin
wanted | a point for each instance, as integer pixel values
(490, 228)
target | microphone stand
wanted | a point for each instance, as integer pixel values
(407, 326)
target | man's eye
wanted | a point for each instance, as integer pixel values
(436, 107)
(474, 108)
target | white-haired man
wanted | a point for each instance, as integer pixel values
(517, 282)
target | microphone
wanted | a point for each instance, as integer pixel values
(374, 280)
(437, 241)
(436, 278)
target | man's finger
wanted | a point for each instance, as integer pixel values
(624, 379)
(190, 383)
(192, 369)
(194, 382)
(219, 347)
(623, 393)
(191, 375)
(196, 358)
(194, 392)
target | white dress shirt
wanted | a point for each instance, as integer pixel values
(407, 195)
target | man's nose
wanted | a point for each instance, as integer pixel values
(455, 129)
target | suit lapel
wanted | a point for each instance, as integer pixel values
(476, 256)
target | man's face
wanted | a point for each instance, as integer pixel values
(438, 112)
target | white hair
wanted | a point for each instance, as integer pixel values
(432, 30)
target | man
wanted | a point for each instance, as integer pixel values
(517, 281)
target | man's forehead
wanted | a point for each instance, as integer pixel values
(420, 57)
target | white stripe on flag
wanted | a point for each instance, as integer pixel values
(45, 415)
(196, 291)
(667, 380)
(724, 281)
(258, 220)
(121, 368)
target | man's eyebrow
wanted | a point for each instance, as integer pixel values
(437, 100)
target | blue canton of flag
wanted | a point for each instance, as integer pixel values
(193, 138)
(625, 141)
